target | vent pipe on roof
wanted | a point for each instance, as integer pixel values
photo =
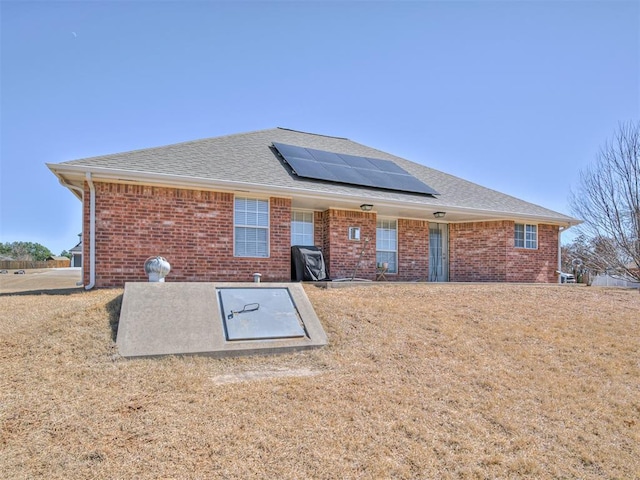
(92, 233)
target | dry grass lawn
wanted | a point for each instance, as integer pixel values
(418, 381)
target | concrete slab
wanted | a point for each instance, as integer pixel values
(187, 318)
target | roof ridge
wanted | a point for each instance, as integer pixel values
(310, 133)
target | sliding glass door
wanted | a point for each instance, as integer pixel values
(438, 252)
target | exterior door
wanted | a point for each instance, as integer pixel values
(438, 252)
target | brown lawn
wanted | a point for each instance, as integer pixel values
(418, 381)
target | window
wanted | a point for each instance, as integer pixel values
(302, 228)
(387, 244)
(251, 222)
(526, 236)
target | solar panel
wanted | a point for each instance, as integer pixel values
(350, 169)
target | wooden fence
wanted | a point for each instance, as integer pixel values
(25, 264)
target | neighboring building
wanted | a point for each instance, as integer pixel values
(58, 261)
(76, 253)
(57, 258)
(222, 209)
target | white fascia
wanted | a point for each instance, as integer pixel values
(78, 173)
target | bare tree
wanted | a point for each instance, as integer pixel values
(608, 200)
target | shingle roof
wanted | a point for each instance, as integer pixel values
(249, 158)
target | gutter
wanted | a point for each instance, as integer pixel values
(92, 233)
(560, 230)
(179, 181)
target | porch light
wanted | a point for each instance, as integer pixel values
(366, 207)
(439, 214)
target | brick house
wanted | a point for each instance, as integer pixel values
(221, 209)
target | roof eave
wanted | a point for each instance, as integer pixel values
(72, 177)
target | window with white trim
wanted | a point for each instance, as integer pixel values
(251, 227)
(526, 236)
(302, 228)
(387, 244)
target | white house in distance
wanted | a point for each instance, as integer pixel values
(76, 253)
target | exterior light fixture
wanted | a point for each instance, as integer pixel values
(366, 207)
(439, 214)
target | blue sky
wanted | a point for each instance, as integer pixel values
(513, 95)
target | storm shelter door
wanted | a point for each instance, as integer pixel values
(438, 252)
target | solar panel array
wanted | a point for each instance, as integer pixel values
(350, 169)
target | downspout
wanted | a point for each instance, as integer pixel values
(92, 233)
(80, 191)
(560, 230)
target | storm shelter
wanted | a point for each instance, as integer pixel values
(218, 319)
(259, 314)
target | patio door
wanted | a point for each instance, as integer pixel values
(438, 252)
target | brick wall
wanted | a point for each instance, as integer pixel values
(413, 250)
(540, 265)
(319, 236)
(477, 251)
(341, 254)
(192, 229)
(485, 252)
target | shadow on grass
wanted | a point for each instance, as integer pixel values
(113, 309)
(45, 291)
